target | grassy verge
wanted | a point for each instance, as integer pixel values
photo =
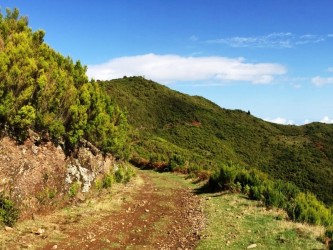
(234, 222)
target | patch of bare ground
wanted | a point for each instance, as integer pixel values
(152, 212)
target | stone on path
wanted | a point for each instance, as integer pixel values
(252, 246)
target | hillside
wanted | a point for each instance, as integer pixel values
(191, 133)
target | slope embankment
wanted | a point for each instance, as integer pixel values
(39, 177)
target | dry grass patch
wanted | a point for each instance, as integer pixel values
(55, 227)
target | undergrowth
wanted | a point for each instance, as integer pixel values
(121, 173)
(9, 214)
(300, 206)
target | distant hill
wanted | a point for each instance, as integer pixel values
(191, 133)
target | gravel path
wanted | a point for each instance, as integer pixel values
(162, 213)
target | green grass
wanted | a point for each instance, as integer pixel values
(235, 223)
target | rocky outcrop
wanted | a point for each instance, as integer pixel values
(88, 163)
(37, 175)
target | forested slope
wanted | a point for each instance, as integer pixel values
(193, 134)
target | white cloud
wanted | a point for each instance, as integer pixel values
(306, 121)
(273, 40)
(173, 68)
(280, 120)
(320, 81)
(330, 69)
(326, 119)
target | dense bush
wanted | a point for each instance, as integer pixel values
(176, 161)
(42, 90)
(9, 214)
(123, 173)
(300, 206)
(306, 208)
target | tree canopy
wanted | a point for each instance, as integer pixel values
(40, 89)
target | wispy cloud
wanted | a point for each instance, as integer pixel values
(273, 40)
(330, 69)
(326, 119)
(175, 68)
(280, 120)
(321, 81)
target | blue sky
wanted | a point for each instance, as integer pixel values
(272, 57)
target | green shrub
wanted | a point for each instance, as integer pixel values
(246, 189)
(107, 181)
(302, 207)
(307, 208)
(74, 189)
(244, 178)
(25, 117)
(289, 190)
(257, 193)
(124, 173)
(273, 197)
(9, 214)
(46, 195)
(98, 184)
(119, 175)
(176, 161)
(226, 177)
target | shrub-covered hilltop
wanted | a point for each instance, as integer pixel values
(193, 135)
(44, 91)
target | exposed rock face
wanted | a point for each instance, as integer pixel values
(37, 175)
(88, 164)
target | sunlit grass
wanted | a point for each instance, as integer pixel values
(235, 223)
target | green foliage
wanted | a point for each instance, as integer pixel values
(223, 179)
(123, 173)
(169, 123)
(300, 206)
(176, 161)
(46, 195)
(25, 117)
(306, 208)
(9, 214)
(107, 181)
(74, 189)
(45, 91)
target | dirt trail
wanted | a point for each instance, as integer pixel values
(160, 213)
